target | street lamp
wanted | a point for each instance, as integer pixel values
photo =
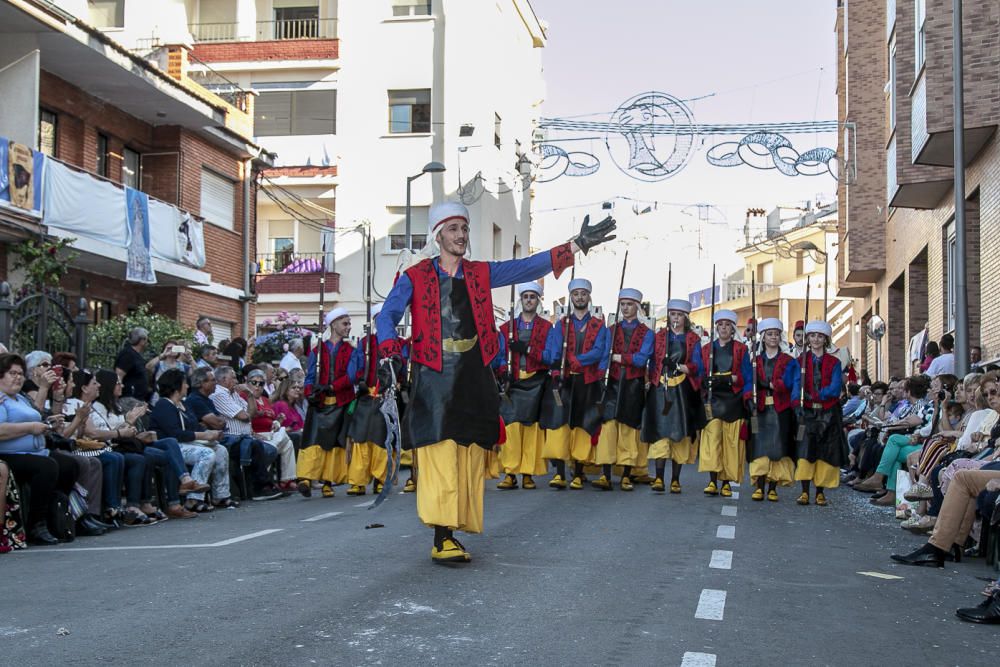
(809, 246)
(429, 168)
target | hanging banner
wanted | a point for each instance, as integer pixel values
(20, 177)
(140, 262)
(191, 240)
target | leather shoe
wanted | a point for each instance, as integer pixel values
(928, 555)
(97, 522)
(988, 611)
(40, 535)
(87, 527)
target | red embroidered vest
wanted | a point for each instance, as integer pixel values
(782, 395)
(540, 328)
(426, 311)
(591, 373)
(692, 345)
(739, 351)
(342, 385)
(634, 345)
(827, 364)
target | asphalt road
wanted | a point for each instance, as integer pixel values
(584, 577)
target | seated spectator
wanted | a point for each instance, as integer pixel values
(909, 414)
(944, 362)
(23, 449)
(959, 413)
(174, 355)
(66, 360)
(131, 365)
(855, 405)
(208, 357)
(290, 406)
(293, 356)
(201, 449)
(931, 353)
(11, 531)
(267, 426)
(203, 330)
(40, 378)
(109, 422)
(228, 403)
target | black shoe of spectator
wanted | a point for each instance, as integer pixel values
(94, 520)
(269, 492)
(87, 527)
(988, 611)
(40, 535)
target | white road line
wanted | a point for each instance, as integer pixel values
(711, 605)
(698, 660)
(365, 504)
(223, 543)
(736, 495)
(879, 575)
(729, 510)
(721, 560)
(736, 484)
(320, 517)
(726, 532)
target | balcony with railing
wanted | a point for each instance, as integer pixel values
(266, 31)
(289, 272)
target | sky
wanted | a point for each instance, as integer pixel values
(749, 61)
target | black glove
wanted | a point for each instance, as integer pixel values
(504, 379)
(799, 414)
(320, 389)
(669, 364)
(389, 369)
(362, 387)
(519, 346)
(751, 406)
(592, 235)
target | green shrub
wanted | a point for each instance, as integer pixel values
(105, 340)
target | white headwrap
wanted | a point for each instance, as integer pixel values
(335, 315)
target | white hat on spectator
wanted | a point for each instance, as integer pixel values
(335, 315)
(630, 293)
(769, 323)
(529, 287)
(725, 315)
(819, 326)
(580, 283)
(682, 305)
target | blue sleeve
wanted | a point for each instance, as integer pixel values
(552, 354)
(641, 358)
(746, 375)
(599, 353)
(518, 270)
(793, 379)
(311, 368)
(500, 358)
(393, 309)
(698, 361)
(833, 389)
(356, 365)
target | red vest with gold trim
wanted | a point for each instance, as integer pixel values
(739, 351)
(827, 364)
(634, 345)
(782, 395)
(692, 344)
(340, 383)
(591, 373)
(540, 328)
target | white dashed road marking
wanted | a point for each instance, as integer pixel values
(726, 532)
(711, 605)
(698, 660)
(320, 517)
(721, 560)
(729, 510)
(736, 495)
(223, 543)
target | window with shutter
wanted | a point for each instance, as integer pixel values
(218, 199)
(284, 113)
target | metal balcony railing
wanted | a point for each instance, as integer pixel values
(295, 262)
(266, 31)
(741, 290)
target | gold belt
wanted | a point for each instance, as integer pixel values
(769, 400)
(459, 345)
(814, 406)
(524, 375)
(330, 400)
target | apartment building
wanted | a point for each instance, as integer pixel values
(102, 122)
(896, 222)
(355, 97)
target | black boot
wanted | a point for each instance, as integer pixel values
(925, 555)
(988, 611)
(87, 527)
(40, 535)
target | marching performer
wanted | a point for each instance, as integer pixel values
(823, 449)
(798, 339)
(674, 413)
(578, 344)
(728, 380)
(773, 445)
(452, 419)
(329, 386)
(621, 409)
(526, 383)
(366, 430)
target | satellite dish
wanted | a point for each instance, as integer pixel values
(875, 328)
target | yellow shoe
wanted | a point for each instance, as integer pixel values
(327, 491)
(410, 486)
(450, 552)
(821, 499)
(675, 487)
(509, 482)
(626, 484)
(711, 489)
(772, 495)
(803, 499)
(602, 483)
(377, 487)
(642, 479)
(557, 482)
(527, 482)
(576, 484)
(355, 490)
(726, 491)
(657, 485)
(758, 495)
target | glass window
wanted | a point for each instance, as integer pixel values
(496, 130)
(397, 229)
(284, 113)
(892, 83)
(409, 111)
(102, 155)
(218, 199)
(107, 13)
(131, 168)
(920, 32)
(296, 22)
(411, 7)
(47, 126)
(951, 274)
(284, 252)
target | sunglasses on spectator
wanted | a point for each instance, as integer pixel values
(46, 364)
(256, 383)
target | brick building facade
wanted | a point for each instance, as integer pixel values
(896, 224)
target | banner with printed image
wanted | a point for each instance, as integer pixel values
(140, 261)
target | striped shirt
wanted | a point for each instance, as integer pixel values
(229, 404)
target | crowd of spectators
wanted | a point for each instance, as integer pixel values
(164, 435)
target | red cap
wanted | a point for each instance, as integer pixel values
(799, 326)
